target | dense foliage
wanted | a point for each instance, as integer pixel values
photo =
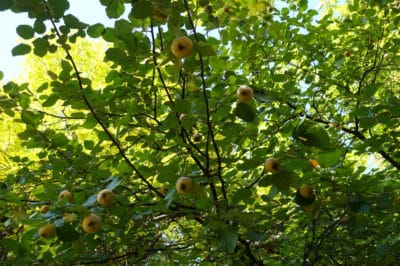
(326, 104)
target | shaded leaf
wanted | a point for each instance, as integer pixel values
(142, 9)
(21, 49)
(95, 30)
(204, 49)
(114, 183)
(370, 90)
(115, 9)
(67, 233)
(245, 111)
(5, 4)
(227, 238)
(90, 201)
(329, 159)
(39, 26)
(169, 197)
(58, 7)
(25, 31)
(182, 106)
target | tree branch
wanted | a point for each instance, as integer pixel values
(94, 114)
(210, 132)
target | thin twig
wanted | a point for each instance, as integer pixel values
(94, 114)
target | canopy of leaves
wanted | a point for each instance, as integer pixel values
(123, 113)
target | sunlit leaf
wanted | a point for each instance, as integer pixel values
(67, 233)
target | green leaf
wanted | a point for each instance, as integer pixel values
(58, 7)
(204, 49)
(142, 9)
(367, 122)
(115, 55)
(51, 100)
(182, 106)
(256, 236)
(243, 195)
(25, 31)
(106, 2)
(318, 137)
(329, 159)
(115, 9)
(114, 183)
(5, 4)
(88, 144)
(39, 26)
(90, 201)
(73, 22)
(357, 206)
(30, 118)
(95, 30)
(245, 111)
(227, 238)
(311, 134)
(21, 49)
(282, 180)
(66, 65)
(279, 77)
(123, 28)
(169, 197)
(1, 75)
(203, 203)
(90, 122)
(370, 90)
(67, 233)
(41, 46)
(10, 244)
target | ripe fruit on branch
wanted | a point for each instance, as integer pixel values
(48, 231)
(197, 137)
(314, 164)
(306, 192)
(272, 165)
(45, 209)
(305, 196)
(91, 223)
(105, 197)
(306, 199)
(65, 194)
(184, 185)
(244, 93)
(182, 47)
